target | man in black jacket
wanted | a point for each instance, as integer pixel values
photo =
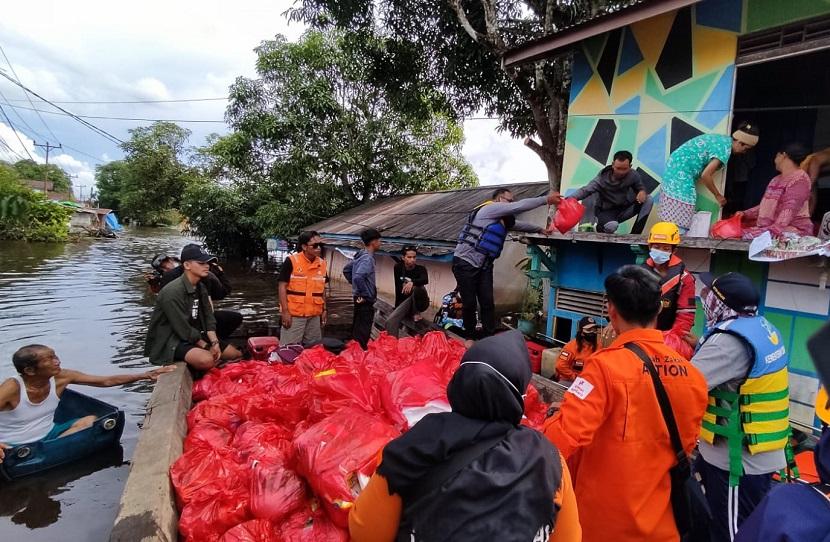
(218, 288)
(411, 296)
(615, 195)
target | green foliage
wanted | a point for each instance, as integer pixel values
(457, 46)
(109, 178)
(153, 176)
(26, 214)
(32, 171)
(317, 133)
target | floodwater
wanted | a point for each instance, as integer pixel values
(89, 302)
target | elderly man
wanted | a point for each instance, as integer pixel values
(28, 400)
(183, 327)
(615, 195)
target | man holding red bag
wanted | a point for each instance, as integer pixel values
(480, 242)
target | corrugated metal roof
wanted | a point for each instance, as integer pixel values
(423, 217)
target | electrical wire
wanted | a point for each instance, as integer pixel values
(115, 118)
(106, 102)
(99, 131)
(10, 150)
(28, 98)
(11, 125)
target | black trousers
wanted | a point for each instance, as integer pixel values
(417, 301)
(362, 321)
(226, 322)
(476, 288)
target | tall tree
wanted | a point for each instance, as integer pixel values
(316, 133)
(457, 46)
(109, 180)
(155, 174)
(30, 170)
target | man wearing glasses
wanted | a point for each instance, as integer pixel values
(302, 283)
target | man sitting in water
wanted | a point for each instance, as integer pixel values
(28, 401)
(183, 327)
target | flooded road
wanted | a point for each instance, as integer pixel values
(89, 301)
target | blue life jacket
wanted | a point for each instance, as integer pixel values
(488, 240)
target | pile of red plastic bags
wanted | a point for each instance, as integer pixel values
(280, 452)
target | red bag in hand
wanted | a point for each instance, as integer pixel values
(276, 492)
(207, 518)
(307, 526)
(331, 454)
(255, 530)
(728, 228)
(535, 409)
(568, 213)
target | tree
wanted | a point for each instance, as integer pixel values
(109, 179)
(457, 46)
(154, 175)
(316, 133)
(26, 214)
(30, 170)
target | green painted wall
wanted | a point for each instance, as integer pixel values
(763, 14)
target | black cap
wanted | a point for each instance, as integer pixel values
(195, 252)
(736, 290)
(586, 321)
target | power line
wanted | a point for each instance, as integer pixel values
(118, 118)
(11, 150)
(89, 125)
(11, 125)
(27, 97)
(105, 102)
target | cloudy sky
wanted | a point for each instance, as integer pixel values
(151, 51)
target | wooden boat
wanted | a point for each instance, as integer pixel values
(25, 459)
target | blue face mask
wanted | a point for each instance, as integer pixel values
(659, 256)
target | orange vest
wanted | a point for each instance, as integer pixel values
(306, 287)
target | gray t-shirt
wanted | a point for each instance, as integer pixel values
(491, 213)
(725, 363)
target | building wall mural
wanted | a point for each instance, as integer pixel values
(649, 88)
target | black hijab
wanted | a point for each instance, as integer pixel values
(486, 396)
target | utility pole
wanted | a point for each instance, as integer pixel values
(72, 187)
(48, 147)
(82, 192)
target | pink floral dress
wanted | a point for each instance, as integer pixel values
(785, 208)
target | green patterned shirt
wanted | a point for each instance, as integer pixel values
(689, 160)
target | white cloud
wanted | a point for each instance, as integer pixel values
(11, 149)
(497, 158)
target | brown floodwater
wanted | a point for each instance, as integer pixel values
(89, 301)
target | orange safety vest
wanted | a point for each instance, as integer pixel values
(306, 286)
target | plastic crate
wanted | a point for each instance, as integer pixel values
(260, 347)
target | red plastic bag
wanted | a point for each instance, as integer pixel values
(255, 530)
(265, 442)
(307, 526)
(568, 213)
(273, 407)
(314, 360)
(332, 453)
(728, 228)
(276, 492)
(535, 409)
(444, 352)
(224, 410)
(338, 388)
(207, 518)
(206, 471)
(678, 344)
(208, 434)
(413, 392)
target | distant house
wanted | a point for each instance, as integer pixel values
(39, 186)
(431, 222)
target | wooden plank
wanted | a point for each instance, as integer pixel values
(550, 391)
(148, 507)
(619, 239)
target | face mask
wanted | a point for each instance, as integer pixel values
(659, 256)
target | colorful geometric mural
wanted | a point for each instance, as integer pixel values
(650, 87)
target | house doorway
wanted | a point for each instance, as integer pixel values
(787, 94)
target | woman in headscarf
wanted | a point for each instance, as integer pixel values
(474, 473)
(785, 207)
(697, 160)
(572, 358)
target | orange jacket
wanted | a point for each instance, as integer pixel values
(611, 417)
(677, 296)
(306, 286)
(376, 514)
(571, 360)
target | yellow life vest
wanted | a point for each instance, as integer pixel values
(306, 286)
